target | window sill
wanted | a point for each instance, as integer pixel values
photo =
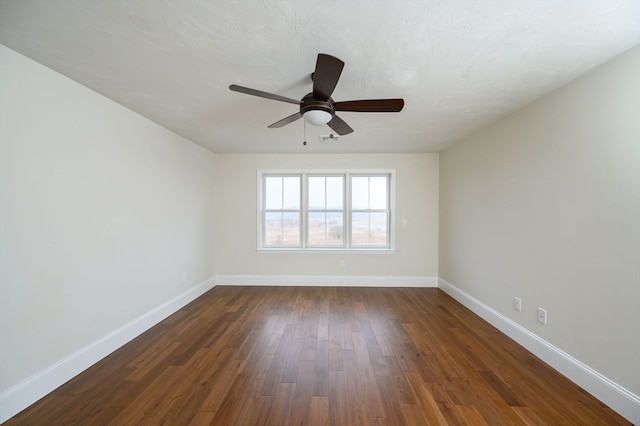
(324, 251)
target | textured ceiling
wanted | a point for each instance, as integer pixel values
(459, 65)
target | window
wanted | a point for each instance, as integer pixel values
(282, 211)
(317, 210)
(325, 211)
(370, 211)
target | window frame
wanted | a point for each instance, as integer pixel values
(347, 247)
(370, 210)
(283, 211)
(307, 210)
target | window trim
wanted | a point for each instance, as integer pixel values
(304, 211)
(300, 211)
(387, 211)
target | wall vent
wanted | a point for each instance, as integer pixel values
(329, 138)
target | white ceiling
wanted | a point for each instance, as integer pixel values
(459, 65)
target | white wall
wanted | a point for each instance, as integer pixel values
(545, 205)
(102, 214)
(416, 201)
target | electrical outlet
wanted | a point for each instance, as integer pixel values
(342, 263)
(542, 315)
(517, 304)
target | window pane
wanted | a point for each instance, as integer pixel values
(360, 193)
(273, 193)
(335, 188)
(378, 192)
(291, 229)
(360, 229)
(335, 229)
(378, 229)
(316, 229)
(273, 229)
(282, 229)
(317, 193)
(369, 229)
(326, 229)
(291, 197)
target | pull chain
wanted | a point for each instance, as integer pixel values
(304, 138)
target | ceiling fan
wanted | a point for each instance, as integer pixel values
(318, 107)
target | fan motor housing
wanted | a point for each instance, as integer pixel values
(309, 103)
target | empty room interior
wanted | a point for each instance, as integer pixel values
(346, 212)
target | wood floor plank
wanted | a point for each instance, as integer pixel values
(338, 407)
(292, 362)
(425, 400)
(280, 357)
(152, 398)
(413, 415)
(282, 403)
(301, 402)
(390, 403)
(404, 394)
(202, 418)
(319, 411)
(321, 370)
(369, 392)
(320, 356)
(358, 413)
(471, 417)
(232, 407)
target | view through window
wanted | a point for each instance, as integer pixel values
(312, 210)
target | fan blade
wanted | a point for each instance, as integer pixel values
(326, 75)
(371, 105)
(286, 120)
(339, 126)
(262, 94)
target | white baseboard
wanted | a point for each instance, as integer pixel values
(20, 396)
(328, 281)
(624, 402)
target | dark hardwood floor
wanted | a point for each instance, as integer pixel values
(316, 356)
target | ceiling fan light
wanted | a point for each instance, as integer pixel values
(317, 117)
